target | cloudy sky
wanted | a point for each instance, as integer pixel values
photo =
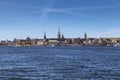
(23, 18)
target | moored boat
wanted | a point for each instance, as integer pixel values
(117, 45)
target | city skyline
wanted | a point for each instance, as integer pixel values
(23, 18)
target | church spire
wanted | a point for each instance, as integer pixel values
(59, 34)
(44, 35)
(62, 36)
(85, 36)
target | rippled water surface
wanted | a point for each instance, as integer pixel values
(59, 63)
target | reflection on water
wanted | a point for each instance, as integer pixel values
(59, 63)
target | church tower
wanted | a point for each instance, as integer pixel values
(44, 35)
(62, 36)
(59, 34)
(85, 36)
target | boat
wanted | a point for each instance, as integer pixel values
(53, 45)
(117, 45)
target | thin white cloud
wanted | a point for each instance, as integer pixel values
(47, 8)
(45, 11)
(54, 10)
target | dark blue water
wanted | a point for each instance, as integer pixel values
(59, 63)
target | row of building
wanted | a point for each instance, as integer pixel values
(61, 41)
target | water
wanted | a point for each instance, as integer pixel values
(59, 63)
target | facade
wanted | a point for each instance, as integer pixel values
(53, 42)
(34, 42)
(40, 42)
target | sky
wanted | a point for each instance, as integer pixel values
(31, 18)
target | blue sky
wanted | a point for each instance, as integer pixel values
(22, 18)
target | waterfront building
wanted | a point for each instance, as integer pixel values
(3, 42)
(40, 42)
(10, 43)
(103, 42)
(91, 42)
(53, 42)
(21, 42)
(28, 41)
(34, 42)
(68, 41)
(15, 39)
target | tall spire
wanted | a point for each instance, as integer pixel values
(62, 36)
(44, 35)
(59, 34)
(85, 36)
(59, 30)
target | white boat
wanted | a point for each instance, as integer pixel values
(52, 45)
(117, 45)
